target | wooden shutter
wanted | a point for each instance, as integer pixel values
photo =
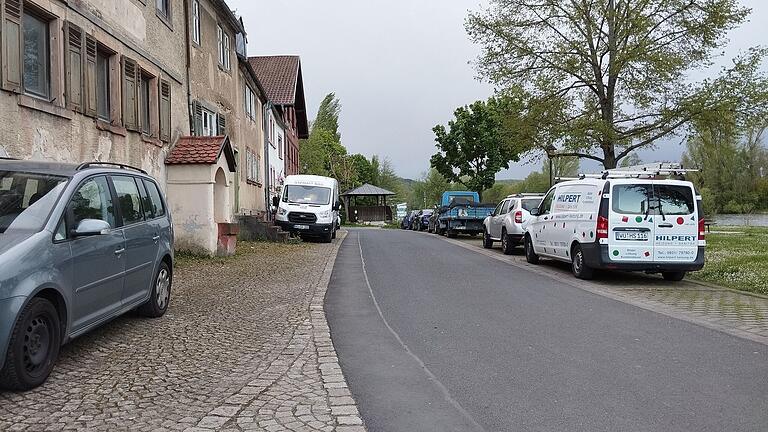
(11, 41)
(130, 94)
(91, 81)
(73, 62)
(165, 111)
(222, 125)
(197, 118)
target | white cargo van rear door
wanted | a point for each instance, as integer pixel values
(676, 220)
(631, 224)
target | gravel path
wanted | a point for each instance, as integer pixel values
(244, 346)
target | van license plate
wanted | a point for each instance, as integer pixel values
(632, 235)
(301, 227)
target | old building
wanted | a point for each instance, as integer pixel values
(274, 133)
(92, 80)
(282, 79)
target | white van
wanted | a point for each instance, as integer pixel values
(309, 206)
(620, 220)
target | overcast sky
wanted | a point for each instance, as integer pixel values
(400, 67)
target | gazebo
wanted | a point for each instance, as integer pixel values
(380, 212)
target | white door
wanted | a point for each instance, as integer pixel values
(631, 222)
(539, 227)
(498, 220)
(677, 224)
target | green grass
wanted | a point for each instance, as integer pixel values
(737, 260)
(244, 248)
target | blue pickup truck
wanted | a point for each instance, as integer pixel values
(462, 212)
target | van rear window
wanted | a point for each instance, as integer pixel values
(663, 199)
(530, 204)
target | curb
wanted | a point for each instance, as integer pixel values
(340, 400)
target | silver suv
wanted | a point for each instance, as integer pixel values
(507, 223)
(79, 246)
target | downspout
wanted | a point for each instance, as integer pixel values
(265, 128)
(189, 61)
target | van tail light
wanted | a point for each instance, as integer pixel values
(602, 227)
(518, 216)
(702, 226)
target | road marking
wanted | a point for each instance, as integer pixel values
(430, 375)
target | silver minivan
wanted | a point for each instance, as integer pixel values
(79, 246)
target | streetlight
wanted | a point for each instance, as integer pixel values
(551, 150)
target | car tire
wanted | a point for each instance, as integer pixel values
(506, 243)
(160, 297)
(530, 253)
(579, 268)
(451, 234)
(487, 242)
(673, 276)
(33, 348)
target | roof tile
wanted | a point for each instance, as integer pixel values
(196, 150)
(278, 75)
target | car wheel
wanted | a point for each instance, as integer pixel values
(530, 254)
(580, 269)
(487, 242)
(506, 244)
(160, 297)
(33, 348)
(451, 234)
(675, 276)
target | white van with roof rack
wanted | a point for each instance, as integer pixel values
(626, 219)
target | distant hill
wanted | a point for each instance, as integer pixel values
(508, 181)
(407, 181)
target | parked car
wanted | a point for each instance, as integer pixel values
(79, 246)
(506, 223)
(421, 221)
(433, 222)
(619, 221)
(408, 219)
(462, 212)
(309, 207)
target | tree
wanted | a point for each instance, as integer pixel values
(428, 191)
(604, 78)
(632, 159)
(470, 150)
(328, 116)
(363, 168)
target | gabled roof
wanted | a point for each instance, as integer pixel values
(368, 190)
(283, 82)
(203, 150)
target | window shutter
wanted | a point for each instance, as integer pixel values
(11, 44)
(130, 94)
(90, 76)
(222, 125)
(197, 116)
(73, 61)
(165, 111)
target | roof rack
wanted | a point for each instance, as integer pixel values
(7, 158)
(639, 171)
(85, 165)
(525, 194)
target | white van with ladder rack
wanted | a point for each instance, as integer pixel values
(645, 218)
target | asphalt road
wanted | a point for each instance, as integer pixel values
(434, 337)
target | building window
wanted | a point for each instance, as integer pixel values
(252, 166)
(196, 21)
(208, 123)
(250, 103)
(144, 100)
(223, 38)
(103, 103)
(280, 146)
(164, 9)
(37, 56)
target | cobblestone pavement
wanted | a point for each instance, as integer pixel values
(244, 346)
(741, 315)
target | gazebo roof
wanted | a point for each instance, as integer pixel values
(368, 190)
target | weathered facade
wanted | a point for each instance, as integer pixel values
(92, 80)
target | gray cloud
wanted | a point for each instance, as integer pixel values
(400, 67)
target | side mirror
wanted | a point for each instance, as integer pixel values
(90, 228)
(534, 211)
(275, 201)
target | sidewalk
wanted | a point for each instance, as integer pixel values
(245, 346)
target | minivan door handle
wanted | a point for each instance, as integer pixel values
(119, 251)
(156, 238)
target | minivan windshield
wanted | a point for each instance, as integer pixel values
(26, 200)
(663, 199)
(301, 194)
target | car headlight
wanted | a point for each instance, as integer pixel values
(326, 214)
(281, 211)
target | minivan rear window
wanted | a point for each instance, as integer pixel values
(530, 204)
(663, 199)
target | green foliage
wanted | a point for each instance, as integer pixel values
(328, 116)
(428, 191)
(602, 79)
(470, 150)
